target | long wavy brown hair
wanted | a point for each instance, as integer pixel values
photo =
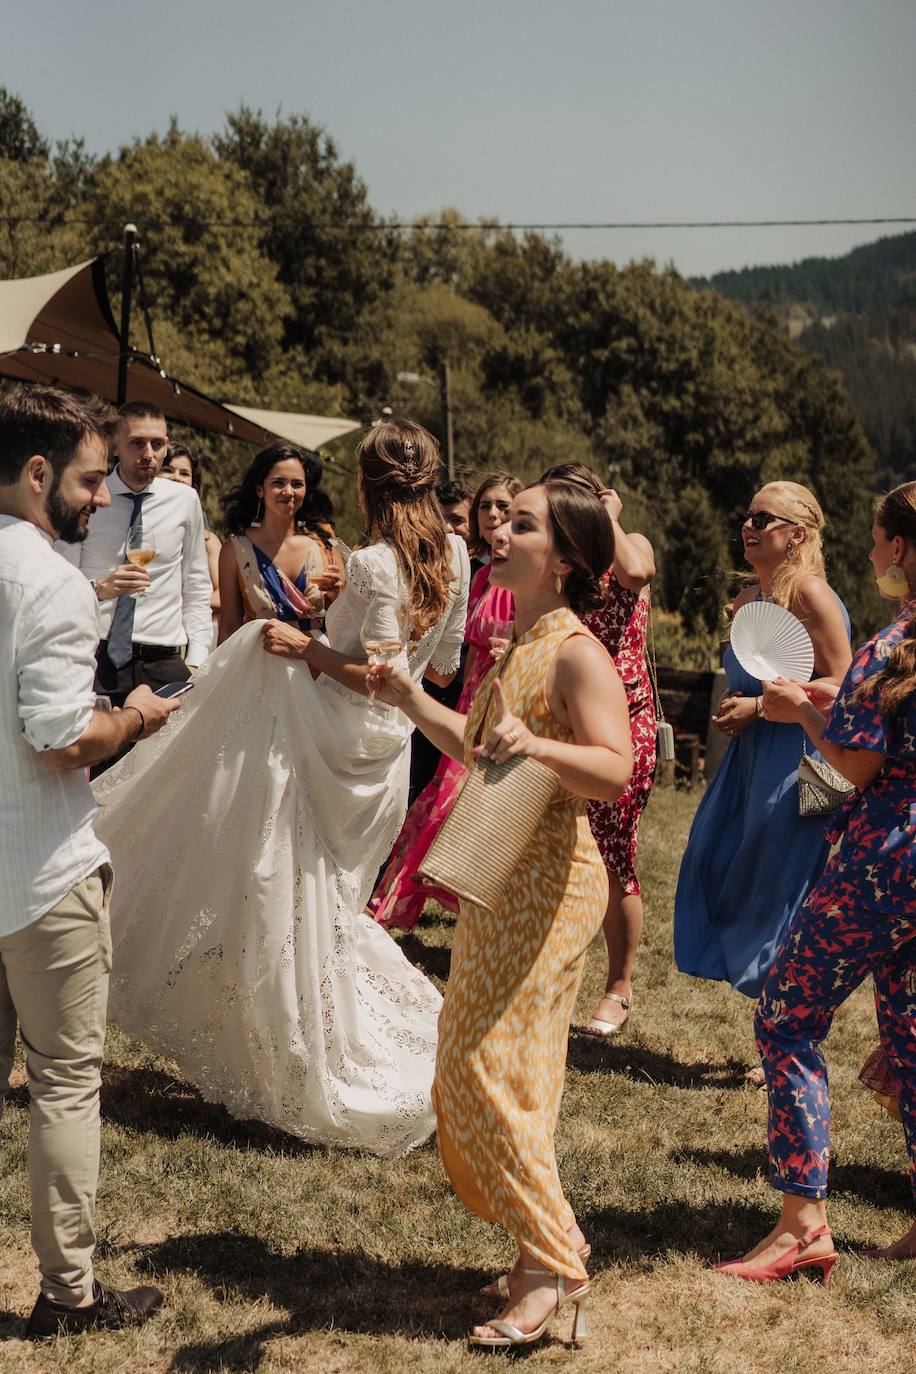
(896, 683)
(399, 465)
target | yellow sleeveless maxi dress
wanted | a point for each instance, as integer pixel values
(515, 973)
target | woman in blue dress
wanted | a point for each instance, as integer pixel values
(859, 920)
(269, 568)
(751, 858)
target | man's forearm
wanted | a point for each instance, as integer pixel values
(108, 732)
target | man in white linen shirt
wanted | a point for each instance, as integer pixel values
(55, 879)
(162, 635)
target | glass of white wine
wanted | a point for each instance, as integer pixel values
(500, 638)
(383, 645)
(140, 549)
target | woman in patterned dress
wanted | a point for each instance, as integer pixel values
(860, 919)
(621, 624)
(514, 975)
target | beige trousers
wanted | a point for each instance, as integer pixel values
(54, 982)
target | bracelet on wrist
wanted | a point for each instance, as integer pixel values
(142, 719)
(758, 706)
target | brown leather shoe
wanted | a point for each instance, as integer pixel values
(111, 1309)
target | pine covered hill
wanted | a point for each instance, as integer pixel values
(858, 313)
(275, 282)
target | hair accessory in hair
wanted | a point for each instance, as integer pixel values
(408, 448)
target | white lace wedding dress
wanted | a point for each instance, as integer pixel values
(246, 837)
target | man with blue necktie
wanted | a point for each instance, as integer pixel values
(156, 622)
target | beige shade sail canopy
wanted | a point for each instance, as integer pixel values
(59, 328)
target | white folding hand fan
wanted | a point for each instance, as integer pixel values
(769, 642)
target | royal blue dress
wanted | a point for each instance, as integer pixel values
(751, 858)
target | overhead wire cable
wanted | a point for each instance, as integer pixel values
(485, 226)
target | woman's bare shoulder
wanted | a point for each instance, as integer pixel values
(745, 595)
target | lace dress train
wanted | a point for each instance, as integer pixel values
(246, 837)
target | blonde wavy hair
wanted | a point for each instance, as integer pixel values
(792, 501)
(399, 464)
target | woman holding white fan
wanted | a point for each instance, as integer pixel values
(751, 857)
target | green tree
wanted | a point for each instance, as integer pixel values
(331, 251)
(215, 285)
(20, 139)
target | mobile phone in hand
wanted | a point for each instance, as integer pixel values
(174, 689)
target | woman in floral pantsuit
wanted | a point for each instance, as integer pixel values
(859, 919)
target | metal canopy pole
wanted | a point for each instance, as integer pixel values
(445, 400)
(127, 279)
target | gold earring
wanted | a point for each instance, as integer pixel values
(255, 524)
(558, 584)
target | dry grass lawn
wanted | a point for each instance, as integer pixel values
(278, 1257)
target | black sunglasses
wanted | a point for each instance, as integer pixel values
(761, 518)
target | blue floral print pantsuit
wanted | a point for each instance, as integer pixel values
(859, 919)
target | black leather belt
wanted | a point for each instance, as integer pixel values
(150, 653)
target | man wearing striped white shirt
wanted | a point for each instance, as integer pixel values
(55, 879)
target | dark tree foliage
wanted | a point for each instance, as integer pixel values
(877, 276)
(858, 313)
(20, 140)
(330, 249)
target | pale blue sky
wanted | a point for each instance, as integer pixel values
(608, 110)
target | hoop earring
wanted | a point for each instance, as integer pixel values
(558, 584)
(256, 522)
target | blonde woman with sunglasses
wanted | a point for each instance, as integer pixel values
(751, 858)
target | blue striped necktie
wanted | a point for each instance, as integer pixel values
(121, 634)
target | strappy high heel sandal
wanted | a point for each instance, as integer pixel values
(499, 1287)
(510, 1336)
(605, 1029)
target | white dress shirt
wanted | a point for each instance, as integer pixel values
(49, 628)
(176, 608)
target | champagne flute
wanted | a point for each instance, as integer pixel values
(500, 638)
(140, 549)
(383, 643)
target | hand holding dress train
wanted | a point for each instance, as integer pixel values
(246, 839)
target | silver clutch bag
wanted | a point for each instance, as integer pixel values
(821, 789)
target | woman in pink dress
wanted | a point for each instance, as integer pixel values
(621, 625)
(400, 896)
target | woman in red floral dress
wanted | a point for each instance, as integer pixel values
(621, 625)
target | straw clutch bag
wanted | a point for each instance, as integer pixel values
(486, 833)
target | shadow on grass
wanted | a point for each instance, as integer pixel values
(589, 1054)
(153, 1102)
(12, 1326)
(433, 960)
(315, 1290)
(711, 1231)
(865, 1182)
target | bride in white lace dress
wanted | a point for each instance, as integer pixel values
(247, 835)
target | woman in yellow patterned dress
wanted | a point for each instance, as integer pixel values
(514, 975)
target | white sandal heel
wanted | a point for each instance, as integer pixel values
(499, 1287)
(608, 1028)
(511, 1336)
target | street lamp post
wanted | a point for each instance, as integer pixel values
(445, 408)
